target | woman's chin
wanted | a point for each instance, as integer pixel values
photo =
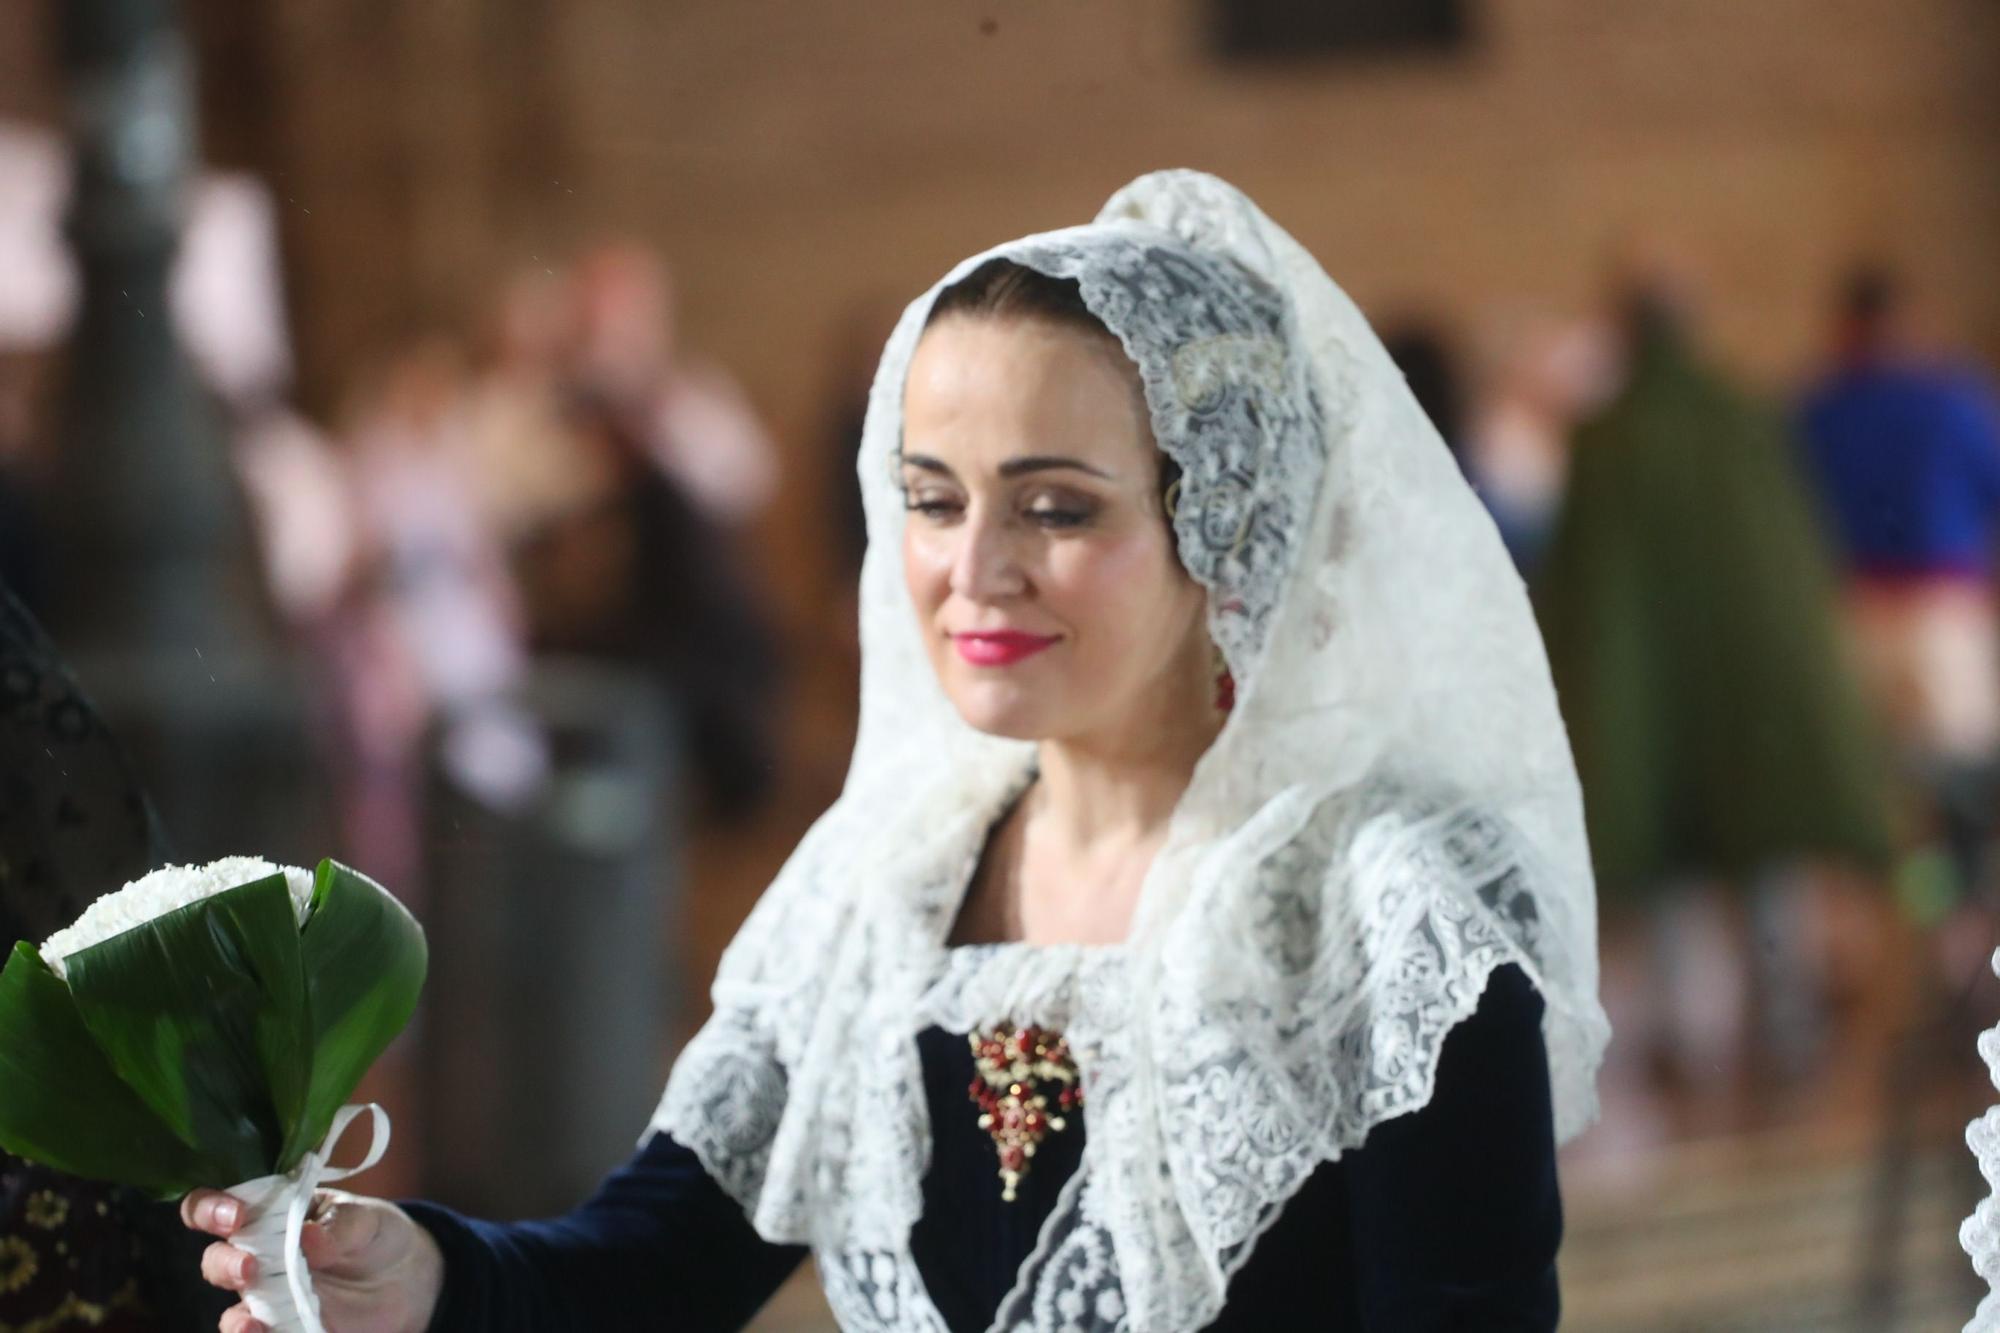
(1005, 711)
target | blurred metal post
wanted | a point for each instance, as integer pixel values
(545, 1025)
(156, 595)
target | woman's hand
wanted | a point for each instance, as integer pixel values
(376, 1271)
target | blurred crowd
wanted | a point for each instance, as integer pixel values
(565, 479)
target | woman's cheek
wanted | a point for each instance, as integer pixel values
(926, 572)
(1115, 585)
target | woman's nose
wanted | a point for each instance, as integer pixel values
(986, 565)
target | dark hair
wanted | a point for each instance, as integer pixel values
(1870, 293)
(1001, 288)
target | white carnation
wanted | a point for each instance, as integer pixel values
(161, 892)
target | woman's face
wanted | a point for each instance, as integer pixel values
(1036, 551)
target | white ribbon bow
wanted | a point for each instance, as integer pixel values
(274, 1218)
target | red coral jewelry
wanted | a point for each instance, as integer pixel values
(1015, 1068)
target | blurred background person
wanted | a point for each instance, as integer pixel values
(1430, 365)
(626, 363)
(1902, 440)
(433, 639)
(35, 302)
(1540, 374)
(644, 567)
(1903, 445)
(24, 552)
(1508, 422)
(521, 466)
(1721, 738)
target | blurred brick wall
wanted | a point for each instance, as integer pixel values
(798, 160)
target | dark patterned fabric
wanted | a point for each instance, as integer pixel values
(75, 824)
(68, 1256)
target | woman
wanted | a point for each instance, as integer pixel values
(1210, 818)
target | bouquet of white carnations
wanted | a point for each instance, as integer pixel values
(204, 1025)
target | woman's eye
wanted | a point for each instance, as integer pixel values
(1055, 516)
(930, 506)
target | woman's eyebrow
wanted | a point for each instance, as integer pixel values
(925, 463)
(1014, 467)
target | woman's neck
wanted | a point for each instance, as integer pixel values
(1070, 864)
(1122, 786)
(1066, 865)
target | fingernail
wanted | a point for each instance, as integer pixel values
(245, 1268)
(225, 1213)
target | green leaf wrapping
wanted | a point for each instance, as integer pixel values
(201, 1010)
(365, 960)
(212, 1044)
(61, 1103)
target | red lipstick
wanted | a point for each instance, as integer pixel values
(994, 648)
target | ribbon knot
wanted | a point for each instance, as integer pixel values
(275, 1208)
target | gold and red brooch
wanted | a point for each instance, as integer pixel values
(1018, 1069)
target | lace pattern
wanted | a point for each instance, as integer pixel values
(1432, 899)
(1979, 1234)
(1390, 813)
(1229, 403)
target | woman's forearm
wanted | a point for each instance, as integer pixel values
(657, 1245)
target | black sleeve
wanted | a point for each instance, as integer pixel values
(1456, 1216)
(659, 1245)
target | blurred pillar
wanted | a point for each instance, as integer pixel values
(155, 544)
(545, 1024)
(156, 598)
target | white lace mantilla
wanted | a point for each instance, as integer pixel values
(1980, 1233)
(1390, 813)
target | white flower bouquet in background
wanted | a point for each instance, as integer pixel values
(205, 1025)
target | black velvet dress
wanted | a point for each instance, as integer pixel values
(1445, 1219)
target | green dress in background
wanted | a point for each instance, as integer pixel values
(1688, 605)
